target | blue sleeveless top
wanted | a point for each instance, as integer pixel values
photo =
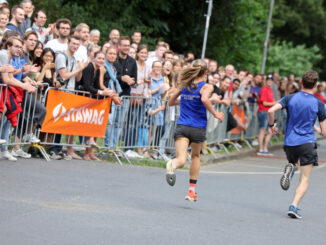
(192, 109)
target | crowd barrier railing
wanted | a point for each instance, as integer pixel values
(139, 123)
(18, 128)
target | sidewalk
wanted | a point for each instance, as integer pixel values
(244, 152)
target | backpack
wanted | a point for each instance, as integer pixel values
(60, 79)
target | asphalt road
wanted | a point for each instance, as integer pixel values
(79, 202)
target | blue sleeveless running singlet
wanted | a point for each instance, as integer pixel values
(192, 110)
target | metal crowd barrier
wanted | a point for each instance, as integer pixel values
(27, 121)
(139, 124)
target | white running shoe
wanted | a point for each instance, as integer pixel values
(8, 156)
(2, 141)
(31, 138)
(20, 153)
(170, 175)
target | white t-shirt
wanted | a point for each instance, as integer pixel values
(61, 62)
(56, 46)
(81, 53)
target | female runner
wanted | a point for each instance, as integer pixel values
(191, 126)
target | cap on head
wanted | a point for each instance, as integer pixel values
(269, 76)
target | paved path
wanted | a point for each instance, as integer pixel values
(79, 202)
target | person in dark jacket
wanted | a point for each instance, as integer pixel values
(126, 67)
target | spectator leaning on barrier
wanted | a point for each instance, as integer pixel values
(61, 43)
(17, 17)
(47, 73)
(12, 49)
(92, 74)
(126, 67)
(69, 71)
(266, 101)
(36, 110)
(112, 83)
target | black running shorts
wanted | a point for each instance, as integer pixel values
(195, 135)
(306, 153)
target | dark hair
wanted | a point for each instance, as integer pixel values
(140, 48)
(45, 51)
(168, 52)
(73, 37)
(34, 59)
(14, 9)
(6, 36)
(38, 11)
(236, 80)
(62, 21)
(309, 79)
(123, 38)
(98, 52)
(28, 33)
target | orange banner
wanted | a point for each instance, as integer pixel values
(75, 115)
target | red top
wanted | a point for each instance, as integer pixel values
(319, 96)
(266, 94)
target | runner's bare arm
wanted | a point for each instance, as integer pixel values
(205, 92)
(271, 111)
(174, 97)
(323, 127)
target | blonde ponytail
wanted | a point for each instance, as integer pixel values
(190, 74)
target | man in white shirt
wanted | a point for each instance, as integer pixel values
(61, 44)
(82, 30)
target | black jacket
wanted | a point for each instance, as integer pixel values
(130, 68)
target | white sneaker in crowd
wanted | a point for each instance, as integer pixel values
(31, 138)
(254, 142)
(133, 154)
(20, 153)
(8, 156)
(2, 141)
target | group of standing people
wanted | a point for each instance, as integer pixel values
(34, 57)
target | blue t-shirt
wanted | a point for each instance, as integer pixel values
(302, 109)
(18, 63)
(192, 110)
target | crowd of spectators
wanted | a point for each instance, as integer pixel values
(60, 55)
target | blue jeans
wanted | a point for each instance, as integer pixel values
(115, 124)
(5, 132)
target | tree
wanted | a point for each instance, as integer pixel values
(285, 58)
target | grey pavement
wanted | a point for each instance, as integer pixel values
(84, 202)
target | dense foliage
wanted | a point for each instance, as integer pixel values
(237, 27)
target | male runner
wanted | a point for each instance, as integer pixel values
(299, 142)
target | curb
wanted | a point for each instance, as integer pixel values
(210, 159)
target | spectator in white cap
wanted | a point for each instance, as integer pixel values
(3, 3)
